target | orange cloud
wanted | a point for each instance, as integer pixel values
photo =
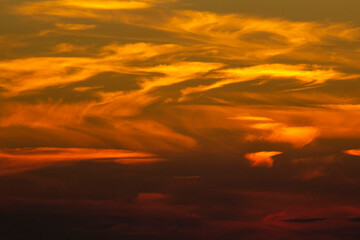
(151, 136)
(44, 115)
(66, 48)
(151, 198)
(69, 8)
(119, 104)
(138, 134)
(74, 27)
(297, 136)
(82, 8)
(232, 26)
(241, 37)
(36, 73)
(325, 121)
(261, 159)
(251, 118)
(211, 50)
(353, 152)
(307, 74)
(104, 4)
(17, 160)
(178, 72)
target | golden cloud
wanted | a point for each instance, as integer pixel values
(35, 73)
(66, 48)
(205, 51)
(74, 27)
(307, 74)
(241, 37)
(69, 8)
(84, 9)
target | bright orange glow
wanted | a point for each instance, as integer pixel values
(354, 152)
(105, 4)
(261, 159)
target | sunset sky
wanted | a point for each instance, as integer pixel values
(180, 119)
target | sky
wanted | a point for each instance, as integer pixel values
(180, 119)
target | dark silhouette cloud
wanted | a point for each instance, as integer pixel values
(304, 220)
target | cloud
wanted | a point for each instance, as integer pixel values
(204, 51)
(355, 219)
(242, 37)
(152, 136)
(36, 73)
(24, 159)
(195, 88)
(311, 173)
(83, 9)
(251, 124)
(303, 220)
(146, 198)
(306, 74)
(251, 118)
(301, 125)
(75, 27)
(186, 177)
(224, 36)
(44, 115)
(353, 152)
(120, 104)
(268, 129)
(107, 4)
(67, 48)
(261, 159)
(110, 124)
(297, 136)
(70, 8)
(178, 72)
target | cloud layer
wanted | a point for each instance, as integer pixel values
(155, 119)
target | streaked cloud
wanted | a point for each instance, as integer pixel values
(17, 160)
(87, 8)
(242, 37)
(178, 72)
(66, 48)
(35, 73)
(251, 118)
(306, 74)
(74, 27)
(95, 4)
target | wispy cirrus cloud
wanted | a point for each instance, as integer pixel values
(35, 73)
(75, 27)
(210, 125)
(307, 74)
(247, 38)
(231, 73)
